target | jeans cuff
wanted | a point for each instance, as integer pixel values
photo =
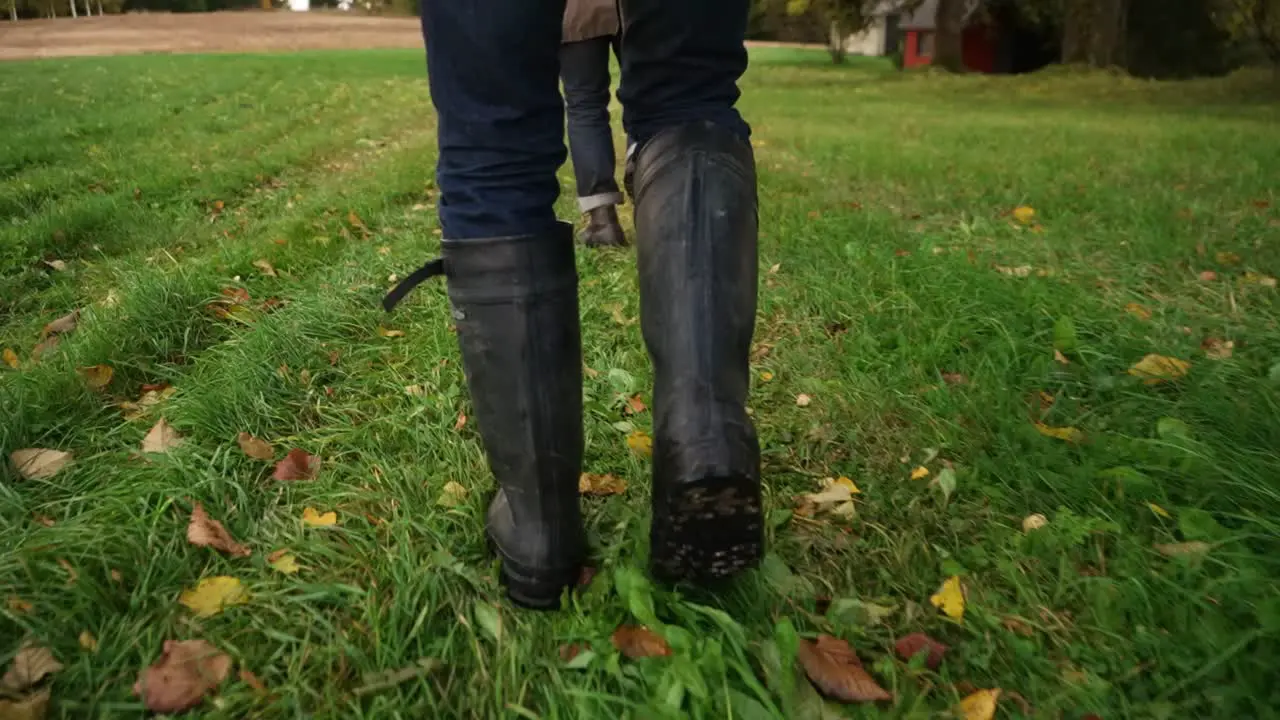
(599, 200)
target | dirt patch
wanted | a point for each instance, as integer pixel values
(203, 33)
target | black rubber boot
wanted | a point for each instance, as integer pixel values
(515, 302)
(603, 228)
(695, 190)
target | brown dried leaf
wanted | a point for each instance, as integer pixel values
(635, 405)
(461, 422)
(911, 645)
(17, 605)
(571, 651)
(255, 448)
(39, 463)
(1208, 276)
(1216, 349)
(161, 438)
(1060, 358)
(32, 707)
(951, 378)
(1020, 271)
(11, 358)
(248, 678)
(1138, 310)
(297, 465)
(637, 641)
(265, 266)
(589, 484)
(97, 377)
(62, 325)
(204, 531)
(29, 667)
(1017, 626)
(186, 672)
(832, 666)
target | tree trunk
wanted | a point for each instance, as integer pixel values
(100, 13)
(1094, 32)
(13, 10)
(72, 3)
(948, 45)
(88, 9)
(835, 43)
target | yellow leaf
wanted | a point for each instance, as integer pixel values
(765, 376)
(11, 358)
(950, 598)
(1159, 511)
(981, 705)
(88, 641)
(1263, 280)
(315, 518)
(1034, 522)
(384, 332)
(1069, 434)
(1155, 369)
(1024, 214)
(211, 595)
(640, 443)
(846, 482)
(1226, 258)
(283, 562)
(920, 473)
(97, 377)
(835, 498)
(1138, 311)
(17, 605)
(589, 484)
(453, 495)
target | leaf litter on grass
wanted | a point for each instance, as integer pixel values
(39, 463)
(297, 465)
(187, 671)
(161, 438)
(834, 498)
(600, 485)
(212, 595)
(950, 599)
(638, 641)
(256, 448)
(204, 531)
(836, 670)
(22, 696)
(314, 518)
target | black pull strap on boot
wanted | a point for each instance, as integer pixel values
(515, 302)
(696, 228)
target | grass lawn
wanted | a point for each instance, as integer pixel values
(908, 319)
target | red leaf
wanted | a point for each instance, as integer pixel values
(635, 405)
(915, 643)
(831, 664)
(297, 465)
(637, 641)
(571, 651)
(186, 672)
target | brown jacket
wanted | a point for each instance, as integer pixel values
(586, 19)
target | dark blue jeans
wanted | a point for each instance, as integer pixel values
(584, 70)
(494, 73)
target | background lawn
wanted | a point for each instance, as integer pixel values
(899, 293)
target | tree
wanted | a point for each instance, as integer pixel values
(1252, 21)
(839, 19)
(948, 47)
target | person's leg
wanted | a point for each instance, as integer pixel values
(494, 71)
(695, 207)
(584, 69)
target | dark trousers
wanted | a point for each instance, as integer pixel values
(494, 68)
(584, 70)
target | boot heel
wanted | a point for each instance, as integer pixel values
(710, 530)
(534, 593)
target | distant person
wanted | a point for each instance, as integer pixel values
(590, 31)
(509, 263)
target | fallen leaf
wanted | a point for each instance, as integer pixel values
(255, 448)
(39, 463)
(1227, 258)
(161, 439)
(414, 390)
(803, 400)
(17, 605)
(950, 598)
(1017, 626)
(900, 252)
(589, 484)
(248, 678)
(384, 332)
(29, 667)
(1182, 548)
(44, 520)
(204, 531)
(266, 267)
(152, 395)
(773, 269)
(186, 672)
(834, 668)
(45, 346)
(915, 643)
(1138, 311)
(63, 325)
(297, 465)
(1019, 271)
(315, 518)
(951, 378)
(635, 405)
(1155, 369)
(981, 705)
(88, 641)
(453, 494)
(211, 595)
(1024, 214)
(766, 376)
(1034, 522)
(1068, 434)
(571, 651)
(57, 265)
(1216, 349)
(354, 219)
(97, 377)
(34, 706)
(11, 358)
(640, 443)
(1159, 511)
(1207, 276)
(1060, 358)
(461, 422)
(1258, 279)
(66, 566)
(835, 498)
(637, 641)
(283, 561)
(586, 575)
(920, 473)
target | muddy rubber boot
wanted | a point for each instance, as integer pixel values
(603, 228)
(696, 232)
(515, 302)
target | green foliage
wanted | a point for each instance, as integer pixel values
(1252, 21)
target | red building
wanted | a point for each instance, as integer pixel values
(995, 39)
